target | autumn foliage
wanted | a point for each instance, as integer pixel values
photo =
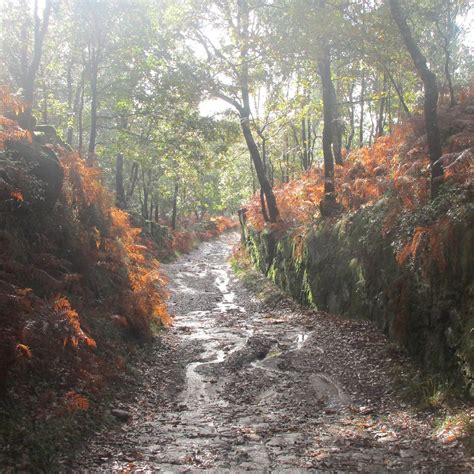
(183, 241)
(397, 163)
(395, 168)
(77, 281)
(9, 128)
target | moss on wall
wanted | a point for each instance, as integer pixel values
(348, 266)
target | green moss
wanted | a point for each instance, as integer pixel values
(349, 266)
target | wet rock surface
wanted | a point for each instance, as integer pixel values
(236, 385)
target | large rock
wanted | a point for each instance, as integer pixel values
(39, 162)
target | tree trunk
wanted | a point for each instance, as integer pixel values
(150, 213)
(74, 102)
(448, 78)
(120, 200)
(431, 95)
(252, 172)
(324, 69)
(361, 122)
(244, 111)
(451, 22)
(69, 128)
(310, 143)
(80, 126)
(175, 205)
(145, 197)
(29, 77)
(380, 120)
(305, 160)
(352, 132)
(93, 83)
(44, 114)
(399, 93)
(132, 181)
(273, 213)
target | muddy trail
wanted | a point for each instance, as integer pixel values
(239, 385)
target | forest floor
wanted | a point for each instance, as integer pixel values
(241, 383)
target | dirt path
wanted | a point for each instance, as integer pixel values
(237, 385)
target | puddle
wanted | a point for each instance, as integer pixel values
(228, 297)
(222, 280)
(225, 307)
(300, 340)
(326, 387)
(196, 387)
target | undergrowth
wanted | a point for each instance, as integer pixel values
(396, 168)
(79, 288)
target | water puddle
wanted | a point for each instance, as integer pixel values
(270, 362)
(196, 386)
(300, 340)
(222, 280)
(226, 307)
(228, 297)
(326, 387)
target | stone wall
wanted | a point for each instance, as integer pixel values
(348, 266)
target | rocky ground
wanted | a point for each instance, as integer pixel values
(241, 385)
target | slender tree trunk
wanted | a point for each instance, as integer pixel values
(431, 95)
(45, 104)
(324, 68)
(145, 195)
(175, 205)
(264, 153)
(372, 125)
(447, 72)
(448, 78)
(380, 120)
(93, 64)
(273, 213)
(389, 112)
(132, 181)
(399, 93)
(299, 148)
(80, 126)
(352, 119)
(150, 214)
(69, 128)
(310, 142)
(286, 156)
(74, 101)
(337, 142)
(252, 172)
(361, 122)
(30, 71)
(120, 200)
(305, 145)
(260, 170)
(447, 53)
